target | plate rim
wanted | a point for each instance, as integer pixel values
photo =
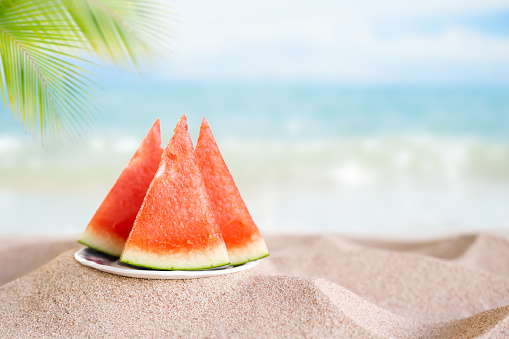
(159, 274)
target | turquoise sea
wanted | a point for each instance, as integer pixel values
(387, 160)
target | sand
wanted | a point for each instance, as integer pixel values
(311, 286)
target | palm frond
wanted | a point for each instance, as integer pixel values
(49, 95)
(129, 33)
(42, 47)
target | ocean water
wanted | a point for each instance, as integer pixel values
(383, 161)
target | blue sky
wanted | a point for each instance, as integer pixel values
(351, 42)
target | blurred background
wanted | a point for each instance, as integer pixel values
(365, 118)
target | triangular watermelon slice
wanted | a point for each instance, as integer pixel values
(175, 228)
(241, 236)
(112, 222)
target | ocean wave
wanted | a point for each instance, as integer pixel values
(397, 184)
(354, 162)
(372, 161)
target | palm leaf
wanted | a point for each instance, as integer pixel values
(42, 78)
(49, 95)
(128, 33)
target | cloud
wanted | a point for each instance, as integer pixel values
(338, 41)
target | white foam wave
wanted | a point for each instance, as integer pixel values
(9, 144)
(405, 182)
(349, 162)
(352, 174)
(126, 145)
(364, 162)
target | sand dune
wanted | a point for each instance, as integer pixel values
(316, 285)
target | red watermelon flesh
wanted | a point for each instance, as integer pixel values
(175, 228)
(241, 236)
(112, 222)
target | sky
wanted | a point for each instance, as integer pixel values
(351, 42)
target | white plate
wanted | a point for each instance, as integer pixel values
(106, 263)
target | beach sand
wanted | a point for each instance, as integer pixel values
(311, 286)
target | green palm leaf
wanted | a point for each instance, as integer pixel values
(42, 78)
(128, 33)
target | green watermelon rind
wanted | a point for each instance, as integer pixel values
(201, 259)
(252, 251)
(101, 242)
(250, 260)
(173, 268)
(97, 249)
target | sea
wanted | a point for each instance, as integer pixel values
(383, 161)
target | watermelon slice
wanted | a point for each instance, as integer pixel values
(110, 226)
(175, 228)
(241, 236)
